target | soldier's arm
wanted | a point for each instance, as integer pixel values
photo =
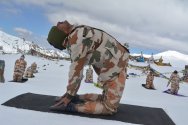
(169, 80)
(78, 58)
(15, 64)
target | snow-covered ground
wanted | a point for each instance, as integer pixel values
(52, 80)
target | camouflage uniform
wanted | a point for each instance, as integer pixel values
(185, 76)
(174, 79)
(149, 80)
(89, 75)
(29, 72)
(19, 69)
(34, 67)
(90, 46)
(2, 67)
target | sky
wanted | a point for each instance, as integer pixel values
(150, 26)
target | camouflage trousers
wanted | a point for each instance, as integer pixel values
(149, 84)
(106, 103)
(17, 76)
(174, 88)
(2, 67)
(29, 74)
(2, 79)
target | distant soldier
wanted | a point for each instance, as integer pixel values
(174, 80)
(2, 67)
(161, 60)
(89, 75)
(149, 80)
(185, 75)
(29, 72)
(34, 67)
(19, 69)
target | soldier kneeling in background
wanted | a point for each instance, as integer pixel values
(34, 67)
(19, 69)
(29, 72)
(149, 80)
(2, 67)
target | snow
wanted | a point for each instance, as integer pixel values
(53, 81)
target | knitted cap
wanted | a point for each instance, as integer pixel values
(175, 71)
(22, 56)
(56, 37)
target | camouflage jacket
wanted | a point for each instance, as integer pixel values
(150, 77)
(29, 70)
(91, 46)
(20, 66)
(2, 64)
(34, 66)
(174, 78)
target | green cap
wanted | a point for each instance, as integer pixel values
(56, 37)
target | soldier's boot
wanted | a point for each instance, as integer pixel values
(75, 99)
(69, 108)
(147, 86)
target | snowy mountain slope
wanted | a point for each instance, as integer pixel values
(52, 80)
(175, 58)
(12, 44)
(173, 55)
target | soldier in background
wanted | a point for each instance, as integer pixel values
(19, 69)
(149, 80)
(89, 75)
(2, 67)
(34, 67)
(185, 76)
(91, 46)
(29, 72)
(174, 80)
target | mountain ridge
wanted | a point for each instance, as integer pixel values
(12, 44)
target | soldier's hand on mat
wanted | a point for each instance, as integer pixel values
(61, 105)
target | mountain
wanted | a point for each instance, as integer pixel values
(13, 44)
(173, 54)
(174, 58)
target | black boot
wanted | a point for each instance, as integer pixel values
(75, 99)
(69, 108)
(57, 108)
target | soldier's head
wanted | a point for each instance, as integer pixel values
(58, 34)
(22, 57)
(175, 72)
(150, 70)
(64, 26)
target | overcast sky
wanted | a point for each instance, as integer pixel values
(147, 25)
